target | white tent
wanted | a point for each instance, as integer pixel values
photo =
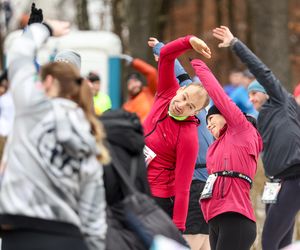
(95, 48)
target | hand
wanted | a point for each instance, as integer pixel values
(152, 42)
(59, 28)
(36, 15)
(156, 57)
(223, 34)
(200, 46)
(127, 58)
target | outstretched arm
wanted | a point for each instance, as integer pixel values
(227, 107)
(169, 53)
(148, 71)
(21, 69)
(180, 73)
(262, 73)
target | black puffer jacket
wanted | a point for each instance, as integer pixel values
(125, 135)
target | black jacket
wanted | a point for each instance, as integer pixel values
(278, 120)
(125, 136)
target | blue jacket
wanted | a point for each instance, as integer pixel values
(240, 96)
(205, 138)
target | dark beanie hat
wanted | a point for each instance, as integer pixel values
(93, 77)
(212, 111)
(252, 120)
(135, 76)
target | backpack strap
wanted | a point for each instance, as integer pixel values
(127, 180)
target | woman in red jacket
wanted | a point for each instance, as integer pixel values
(231, 163)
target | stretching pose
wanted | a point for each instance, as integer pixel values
(52, 194)
(231, 162)
(279, 126)
(171, 132)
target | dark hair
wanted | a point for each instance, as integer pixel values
(3, 76)
(93, 77)
(252, 120)
(214, 110)
(135, 76)
(73, 86)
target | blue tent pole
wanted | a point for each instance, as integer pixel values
(114, 84)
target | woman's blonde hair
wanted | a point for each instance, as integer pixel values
(72, 86)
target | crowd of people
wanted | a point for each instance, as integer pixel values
(189, 145)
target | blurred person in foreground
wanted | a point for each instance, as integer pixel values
(279, 126)
(6, 111)
(52, 194)
(140, 98)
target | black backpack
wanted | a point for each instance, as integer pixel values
(134, 218)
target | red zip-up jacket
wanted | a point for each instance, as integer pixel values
(236, 149)
(174, 142)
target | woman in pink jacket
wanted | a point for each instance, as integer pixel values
(231, 163)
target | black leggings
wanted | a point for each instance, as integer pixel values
(280, 219)
(231, 231)
(35, 240)
(166, 204)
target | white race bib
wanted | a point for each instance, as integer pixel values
(209, 186)
(149, 155)
(271, 191)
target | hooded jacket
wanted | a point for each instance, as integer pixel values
(125, 136)
(51, 179)
(278, 120)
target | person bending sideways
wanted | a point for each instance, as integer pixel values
(231, 163)
(171, 132)
(279, 126)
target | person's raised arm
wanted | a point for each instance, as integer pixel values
(148, 71)
(21, 68)
(261, 72)
(168, 54)
(180, 73)
(226, 106)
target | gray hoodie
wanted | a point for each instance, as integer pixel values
(49, 168)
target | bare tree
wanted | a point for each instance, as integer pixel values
(134, 21)
(270, 36)
(82, 15)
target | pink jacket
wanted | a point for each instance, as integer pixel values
(237, 149)
(174, 142)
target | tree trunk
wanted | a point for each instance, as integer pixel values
(82, 15)
(270, 36)
(142, 22)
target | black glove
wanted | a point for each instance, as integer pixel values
(3, 76)
(36, 15)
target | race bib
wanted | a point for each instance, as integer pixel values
(270, 193)
(149, 155)
(209, 186)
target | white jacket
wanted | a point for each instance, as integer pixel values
(50, 166)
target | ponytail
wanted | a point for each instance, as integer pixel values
(85, 101)
(75, 88)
